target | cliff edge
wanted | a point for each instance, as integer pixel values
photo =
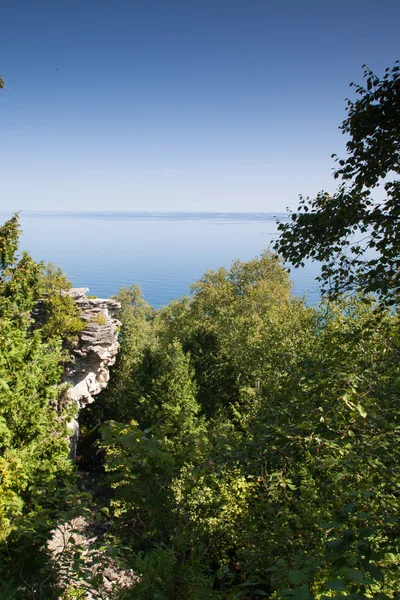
(96, 349)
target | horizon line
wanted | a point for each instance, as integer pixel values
(122, 211)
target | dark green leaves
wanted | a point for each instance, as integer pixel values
(354, 234)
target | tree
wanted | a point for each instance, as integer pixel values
(36, 476)
(33, 440)
(2, 85)
(354, 233)
(252, 449)
(19, 276)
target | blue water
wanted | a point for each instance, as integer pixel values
(162, 252)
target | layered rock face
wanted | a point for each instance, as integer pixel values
(96, 349)
(94, 353)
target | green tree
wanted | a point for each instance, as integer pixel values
(34, 465)
(32, 431)
(33, 438)
(242, 329)
(351, 374)
(355, 233)
(23, 282)
(285, 481)
(137, 336)
(19, 276)
(185, 481)
(144, 456)
(62, 316)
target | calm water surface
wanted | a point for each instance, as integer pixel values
(163, 252)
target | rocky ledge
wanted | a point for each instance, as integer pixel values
(87, 373)
(96, 349)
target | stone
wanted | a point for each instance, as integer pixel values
(87, 374)
(96, 349)
(110, 574)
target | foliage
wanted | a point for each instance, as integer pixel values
(19, 277)
(136, 338)
(282, 478)
(32, 438)
(35, 473)
(100, 319)
(250, 441)
(354, 232)
(231, 326)
(63, 319)
(23, 282)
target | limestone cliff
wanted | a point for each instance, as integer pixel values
(96, 349)
(94, 352)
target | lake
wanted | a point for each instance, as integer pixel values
(162, 252)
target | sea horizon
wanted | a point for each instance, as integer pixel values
(163, 252)
(143, 213)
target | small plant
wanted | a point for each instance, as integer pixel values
(99, 319)
(73, 593)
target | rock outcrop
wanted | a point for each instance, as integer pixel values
(95, 351)
(92, 355)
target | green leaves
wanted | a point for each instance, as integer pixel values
(249, 441)
(338, 585)
(33, 439)
(299, 593)
(9, 238)
(360, 245)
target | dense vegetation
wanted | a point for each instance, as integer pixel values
(253, 443)
(246, 446)
(35, 473)
(250, 442)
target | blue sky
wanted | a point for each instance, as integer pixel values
(219, 105)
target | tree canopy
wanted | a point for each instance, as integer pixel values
(355, 232)
(249, 443)
(251, 446)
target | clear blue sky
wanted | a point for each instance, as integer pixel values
(220, 105)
